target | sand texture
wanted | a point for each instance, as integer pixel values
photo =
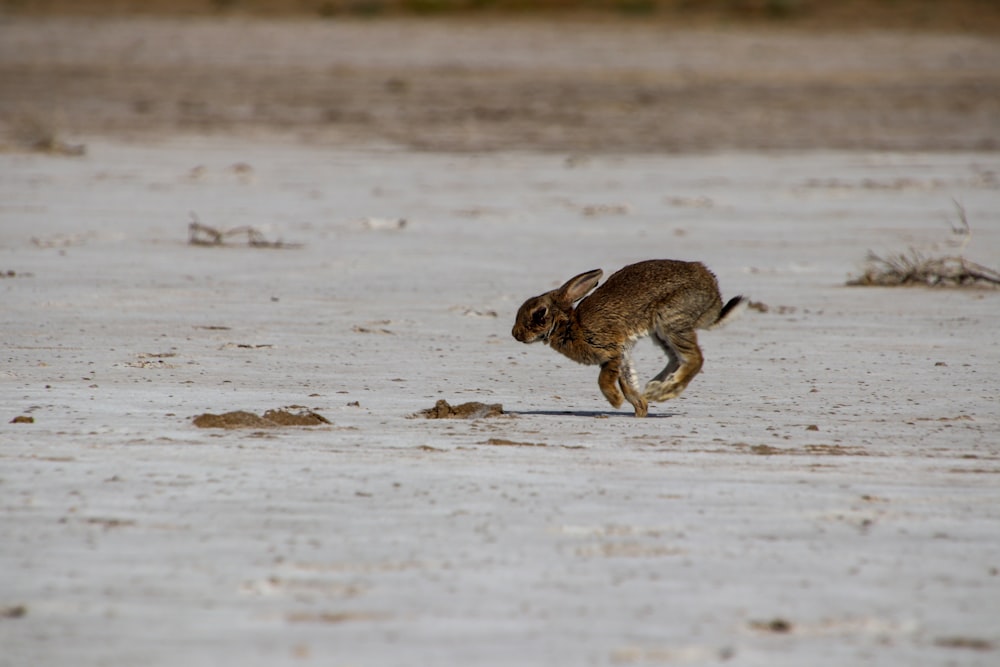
(825, 493)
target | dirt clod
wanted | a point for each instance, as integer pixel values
(16, 611)
(775, 625)
(472, 410)
(271, 419)
(301, 418)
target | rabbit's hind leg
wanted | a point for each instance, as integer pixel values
(685, 362)
(673, 362)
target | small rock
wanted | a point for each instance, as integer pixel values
(473, 410)
(17, 611)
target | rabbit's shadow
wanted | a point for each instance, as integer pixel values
(593, 414)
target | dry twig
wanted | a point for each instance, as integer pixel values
(205, 235)
(915, 268)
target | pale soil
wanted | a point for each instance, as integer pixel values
(825, 492)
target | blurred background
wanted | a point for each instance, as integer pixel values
(483, 75)
(933, 14)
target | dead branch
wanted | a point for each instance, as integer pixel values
(205, 235)
(915, 268)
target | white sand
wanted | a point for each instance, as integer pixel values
(133, 538)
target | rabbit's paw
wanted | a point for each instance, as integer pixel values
(641, 408)
(657, 391)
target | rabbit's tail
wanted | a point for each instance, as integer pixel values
(730, 311)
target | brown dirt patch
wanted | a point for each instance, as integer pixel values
(428, 86)
(973, 643)
(808, 450)
(472, 410)
(503, 442)
(977, 15)
(271, 419)
(333, 617)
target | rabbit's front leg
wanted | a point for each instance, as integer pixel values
(615, 373)
(608, 381)
(629, 383)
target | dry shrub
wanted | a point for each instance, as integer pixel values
(915, 268)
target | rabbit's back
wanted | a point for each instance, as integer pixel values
(634, 298)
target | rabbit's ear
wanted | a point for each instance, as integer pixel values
(576, 288)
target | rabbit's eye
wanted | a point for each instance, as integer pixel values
(538, 317)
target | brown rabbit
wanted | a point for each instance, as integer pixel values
(666, 298)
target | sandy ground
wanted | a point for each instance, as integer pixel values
(825, 493)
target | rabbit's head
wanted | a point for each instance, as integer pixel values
(540, 315)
